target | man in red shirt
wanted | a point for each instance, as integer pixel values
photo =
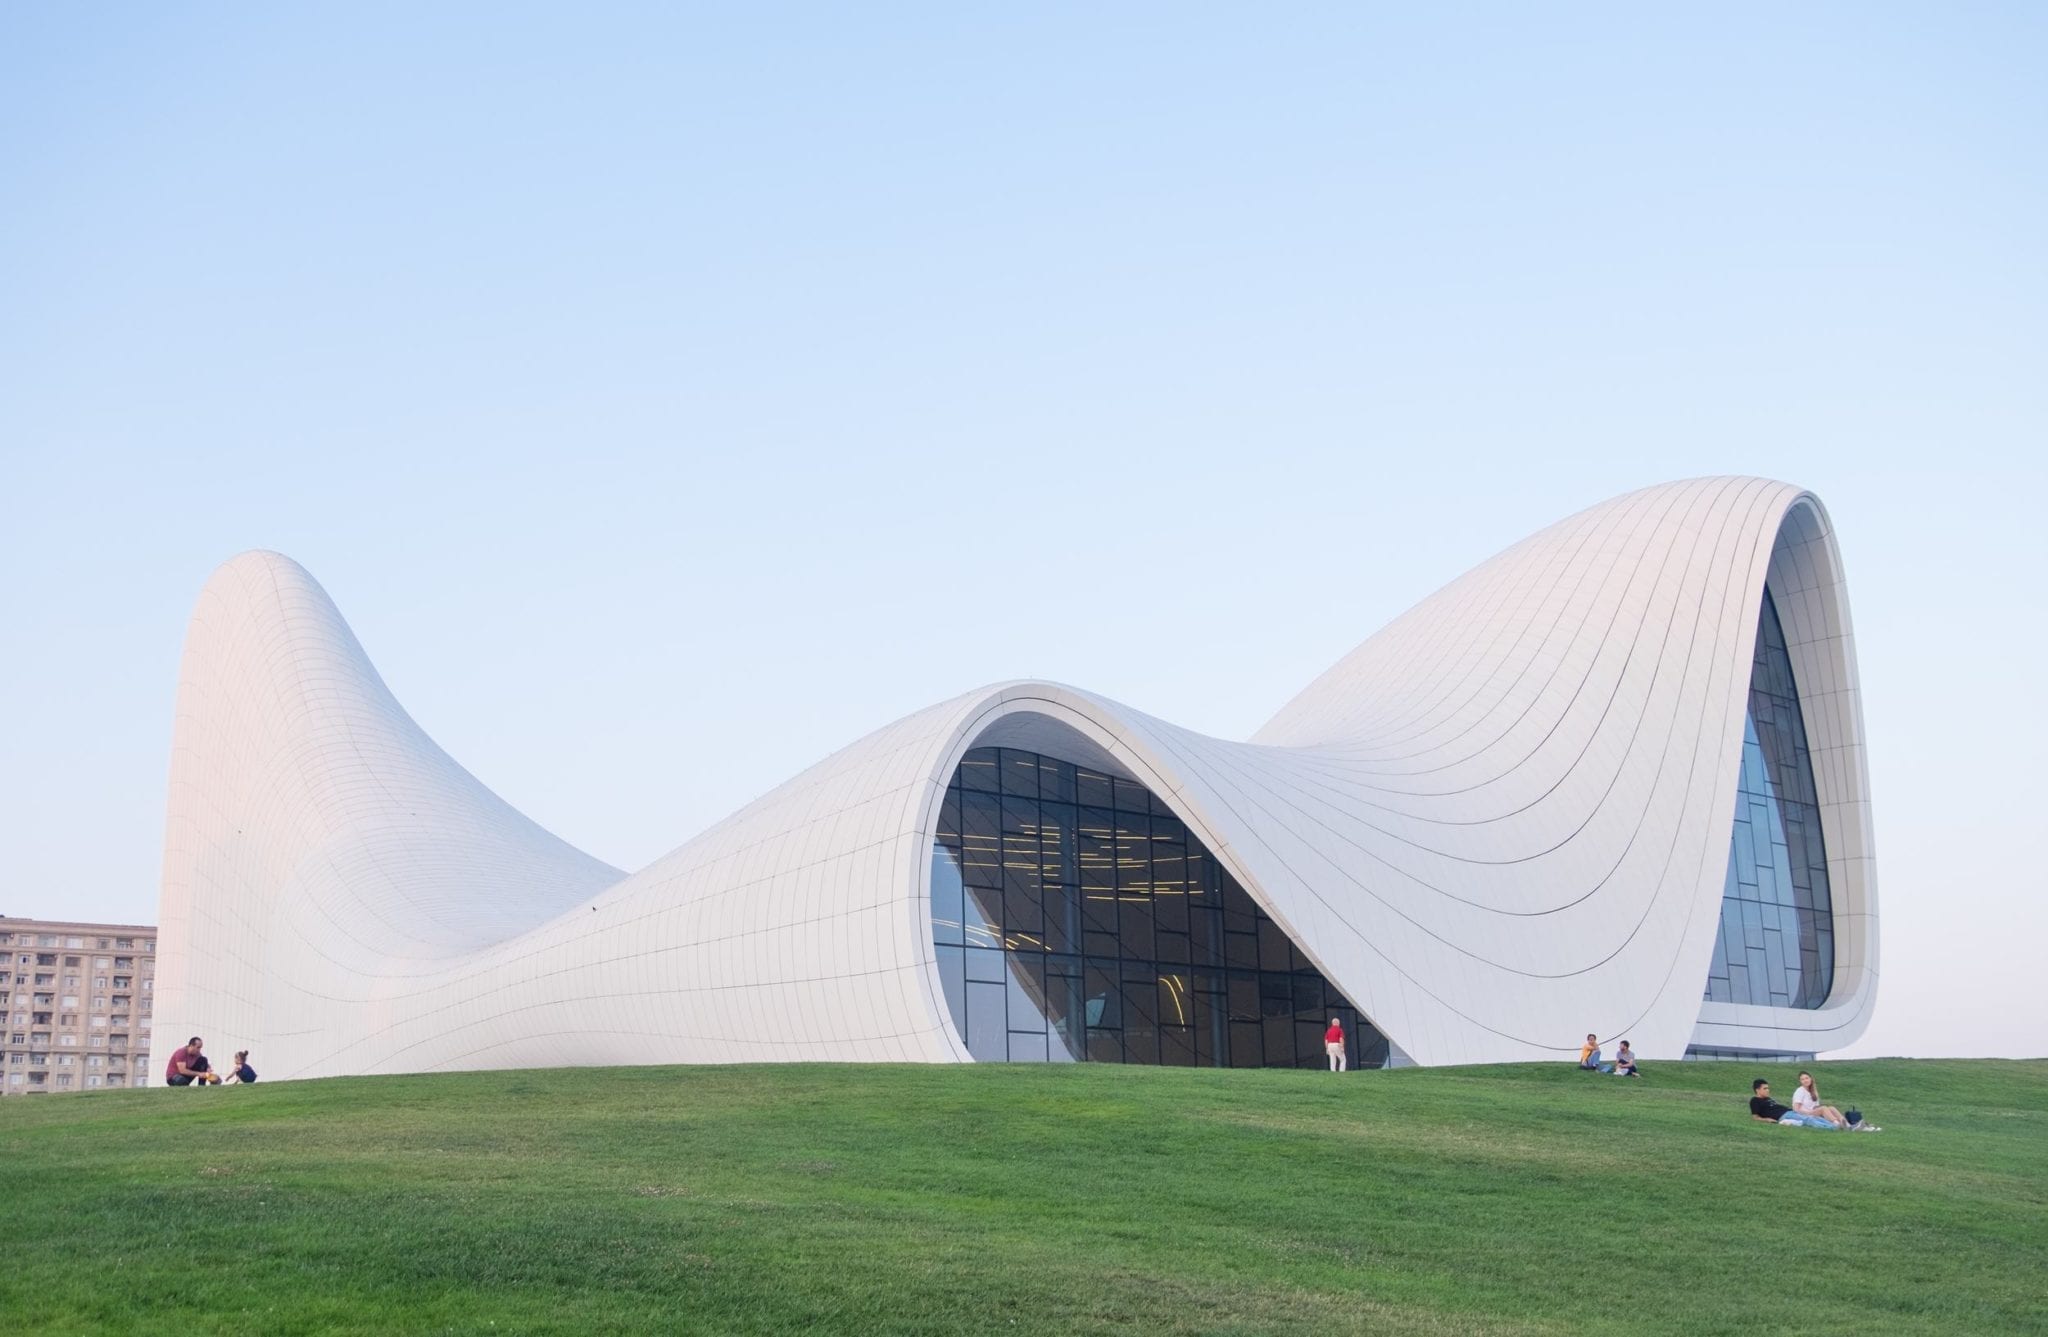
(188, 1066)
(1333, 1044)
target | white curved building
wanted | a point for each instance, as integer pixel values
(1612, 780)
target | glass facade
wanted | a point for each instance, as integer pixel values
(1777, 940)
(1076, 918)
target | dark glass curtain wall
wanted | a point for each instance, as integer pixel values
(1075, 918)
(1777, 939)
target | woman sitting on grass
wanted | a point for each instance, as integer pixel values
(1806, 1099)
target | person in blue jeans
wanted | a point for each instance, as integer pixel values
(1766, 1110)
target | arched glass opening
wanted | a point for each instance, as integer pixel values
(1777, 940)
(1076, 918)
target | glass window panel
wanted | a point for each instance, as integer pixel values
(1059, 842)
(1097, 846)
(988, 1038)
(1020, 773)
(1134, 918)
(1211, 1030)
(1279, 1033)
(1023, 920)
(1093, 788)
(1275, 951)
(1170, 886)
(1105, 1047)
(1176, 1002)
(1021, 857)
(1243, 997)
(981, 825)
(978, 770)
(1177, 1046)
(1240, 914)
(981, 916)
(1027, 1047)
(986, 964)
(1099, 922)
(949, 817)
(953, 978)
(1056, 780)
(1141, 1020)
(1028, 999)
(1063, 919)
(945, 896)
(1131, 796)
(1104, 1006)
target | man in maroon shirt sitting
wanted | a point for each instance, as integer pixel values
(189, 1067)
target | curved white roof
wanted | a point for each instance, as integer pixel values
(1498, 824)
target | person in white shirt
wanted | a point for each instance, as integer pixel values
(1806, 1100)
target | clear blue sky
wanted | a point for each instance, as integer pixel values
(604, 363)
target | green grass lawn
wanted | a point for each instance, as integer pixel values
(1031, 1200)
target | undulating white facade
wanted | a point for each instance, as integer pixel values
(1502, 822)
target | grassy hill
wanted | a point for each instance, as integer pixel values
(1031, 1199)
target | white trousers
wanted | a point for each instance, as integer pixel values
(1335, 1049)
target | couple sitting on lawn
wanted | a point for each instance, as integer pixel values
(1806, 1111)
(1624, 1064)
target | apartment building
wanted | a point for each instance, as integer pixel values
(75, 1002)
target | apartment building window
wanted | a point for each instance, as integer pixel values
(74, 942)
(95, 1060)
(73, 961)
(124, 963)
(122, 944)
(71, 1000)
(99, 1042)
(99, 1021)
(14, 1079)
(149, 946)
(15, 1059)
(66, 1060)
(123, 981)
(70, 1041)
(92, 1081)
(146, 985)
(102, 962)
(63, 1081)
(115, 1079)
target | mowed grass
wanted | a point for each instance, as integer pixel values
(1031, 1200)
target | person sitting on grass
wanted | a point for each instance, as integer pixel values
(1806, 1100)
(1589, 1056)
(241, 1074)
(189, 1067)
(1625, 1062)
